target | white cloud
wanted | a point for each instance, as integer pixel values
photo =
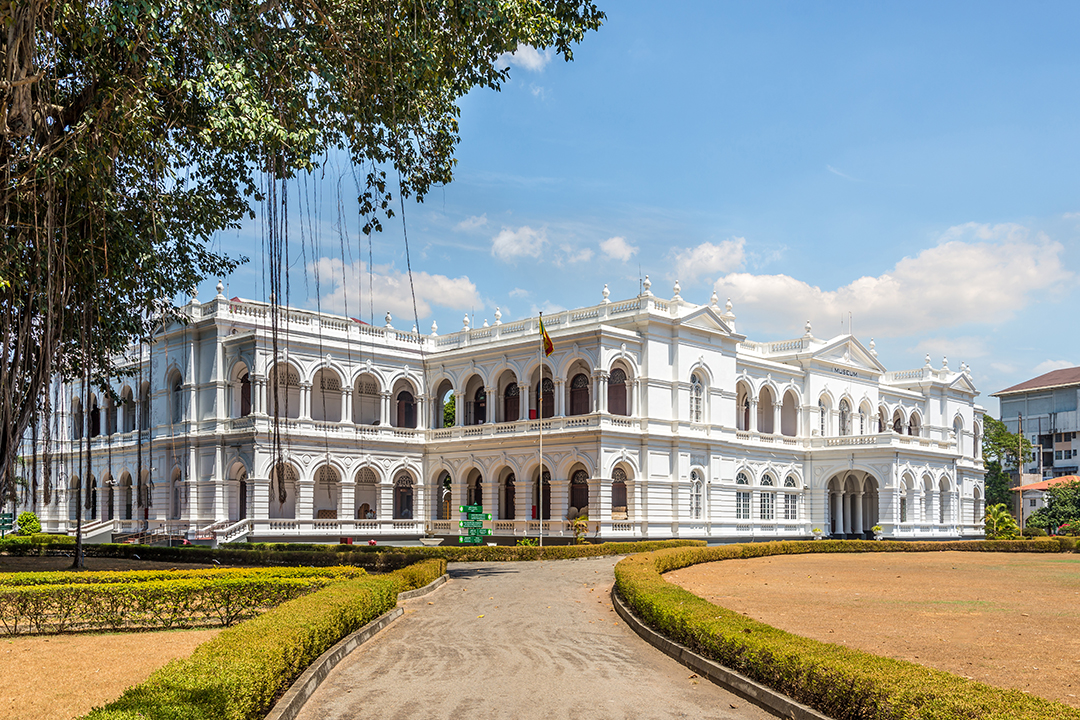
(510, 244)
(526, 57)
(518, 292)
(842, 174)
(472, 222)
(707, 259)
(570, 256)
(617, 248)
(1050, 365)
(977, 274)
(390, 291)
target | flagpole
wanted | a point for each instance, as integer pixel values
(540, 428)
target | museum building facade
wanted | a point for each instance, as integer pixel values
(659, 420)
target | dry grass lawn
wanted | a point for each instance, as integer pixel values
(59, 677)
(1011, 620)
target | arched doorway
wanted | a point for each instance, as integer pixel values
(541, 506)
(579, 493)
(403, 497)
(853, 505)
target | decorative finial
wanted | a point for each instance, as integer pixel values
(414, 328)
(194, 292)
(927, 359)
(273, 298)
(728, 306)
(944, 362)
(872, 346)
(498, 316)
(808, 330)
(388, 319)
(465, 322)
(434, 328)
(678, 289)
(486, 323)
(714, 300)
(646, 284)
(606, 293)
(220, 287)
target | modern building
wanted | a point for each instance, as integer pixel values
(659, 420)
(1047, 407)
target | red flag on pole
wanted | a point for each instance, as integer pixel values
(549, 347)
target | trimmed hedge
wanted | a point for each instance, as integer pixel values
(239, 674)
(843, 683)
(375, 559)
(337, 572)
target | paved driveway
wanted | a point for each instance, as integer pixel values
(517, 640)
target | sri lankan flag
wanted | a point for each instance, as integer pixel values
(549, 347)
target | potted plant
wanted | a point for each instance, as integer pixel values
(878, 532)
(817, 533)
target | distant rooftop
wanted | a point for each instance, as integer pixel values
(1053, 379)
(1047, 483)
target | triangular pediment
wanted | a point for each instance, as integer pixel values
(707, 318)
(847, 351)
(962, 383)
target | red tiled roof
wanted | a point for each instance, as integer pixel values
(1055, 378)
(1046, 484)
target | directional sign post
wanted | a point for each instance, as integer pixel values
(472, 527)
(7, 523)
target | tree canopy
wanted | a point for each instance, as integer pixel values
(131, 131)
(1062, 508)
(1001, 445)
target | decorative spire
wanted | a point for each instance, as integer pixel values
(728, 306)
(944, 362)
(486, 323)
(388, 318)
(498, 316)
(606, 293)
(928, 360)
(678, 289)
(220, 287)
(434, 328)
(714, 300)
(465, 322)
(646, 284)
(873, 352)
(809, 332)
(194, 292)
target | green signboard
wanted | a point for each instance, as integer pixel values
(477, 516)
(474, 532)
(471, 508)
(470, 540)
(470, 524)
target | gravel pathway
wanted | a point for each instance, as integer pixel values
(517, 640)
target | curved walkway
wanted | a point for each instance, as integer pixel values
(517, 640)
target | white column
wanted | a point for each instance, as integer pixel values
(776, 418)
(305, 401)
(524, 398)
(305, 500)
(838, 513)
(846, 505)
(560, 404)
(602, 393)
(753, 426)
(858, 503)
(346, 405)
(384, 411)
(459, 409)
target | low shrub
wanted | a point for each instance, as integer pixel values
(238, 674)
(842, 683)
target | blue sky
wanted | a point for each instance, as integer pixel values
(915, 166)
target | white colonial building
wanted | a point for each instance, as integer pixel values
(659, 420)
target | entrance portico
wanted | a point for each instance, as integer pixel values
(853, 504)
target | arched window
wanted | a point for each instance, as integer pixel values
(95, 417)
(697, 398)
(742, 498)
(91, 499)
(509, 496)
(176, 495)
(958, 432)
(474, 490)
(406, 413)
(511, 403)
(128, 401)
(545, 398)
(977, 508)
(976, 451)
(327, 482)
(618, 494)
(366, 495)
(898, 423)
(245, 395)
(367, 401)
(445, 497)
(579, 492)
(617, 393)
(176, 391)
(824, 415)
(791, 500)
(579, 394)
(242, 501)
(477, 410)
(77, 419)
(881, 423)
(845, 417)
(144, 406)
(403, 497)
(326, 396)
(695, 495)
(913, 425)
(768, 499)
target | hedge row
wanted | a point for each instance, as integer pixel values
(155, 604)
(337, 572)
(239, 674)
(376, 559)
(36, 544)
(840, 682)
